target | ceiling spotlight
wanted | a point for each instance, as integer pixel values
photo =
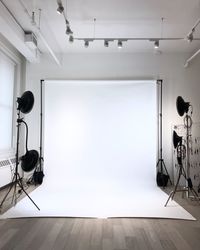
(33, 22)
(190, 37)
(119, 44)
(156, 44)
(86, 44)
(68, 30)
(66, 22)
(106, 43)
(71, 39)
(60, 9)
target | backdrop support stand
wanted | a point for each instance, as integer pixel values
(38, 175)
(161, 164)
(41, 159)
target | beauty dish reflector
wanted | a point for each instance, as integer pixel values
(25, 102)
(182, 106)
(176, 139)
(29, 160)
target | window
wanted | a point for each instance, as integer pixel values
(7, 78)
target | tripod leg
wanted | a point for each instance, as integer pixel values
(22, 188)
(191, 187)
(195, 194)
(14, 197)
(157, 162)
(10, 188)
(188, 188)
(177, 182)
(171, 195)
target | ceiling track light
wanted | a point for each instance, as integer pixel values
(33, 22)
(60, 9)
(68, 30)
(119, 44)
(106, 43)
(71, 39)
(120, 41)
(66, 22)
(86, 43)
(190, 37)
(156, 44)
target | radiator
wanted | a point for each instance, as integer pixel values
(7, 167)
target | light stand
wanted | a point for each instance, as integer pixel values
(177, 140)
(25, 104)
(183, 108)
(162, 179)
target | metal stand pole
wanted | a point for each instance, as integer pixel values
(41, 159)
(38, 175)
(161, 162)
(187, 117)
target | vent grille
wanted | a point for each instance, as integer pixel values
(7, 168)
(7, 162)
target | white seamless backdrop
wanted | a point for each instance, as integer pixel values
(100, 134)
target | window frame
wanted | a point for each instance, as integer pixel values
(11, 55)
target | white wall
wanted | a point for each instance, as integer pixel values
(177, 81)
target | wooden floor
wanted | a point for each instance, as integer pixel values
(105, 234)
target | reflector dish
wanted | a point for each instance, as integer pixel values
(29, 160)
(25, 102)
(182, 106)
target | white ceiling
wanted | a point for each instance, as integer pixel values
(114, 18)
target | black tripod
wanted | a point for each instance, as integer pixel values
(161, 164)
(16, 178)
(189, 185)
